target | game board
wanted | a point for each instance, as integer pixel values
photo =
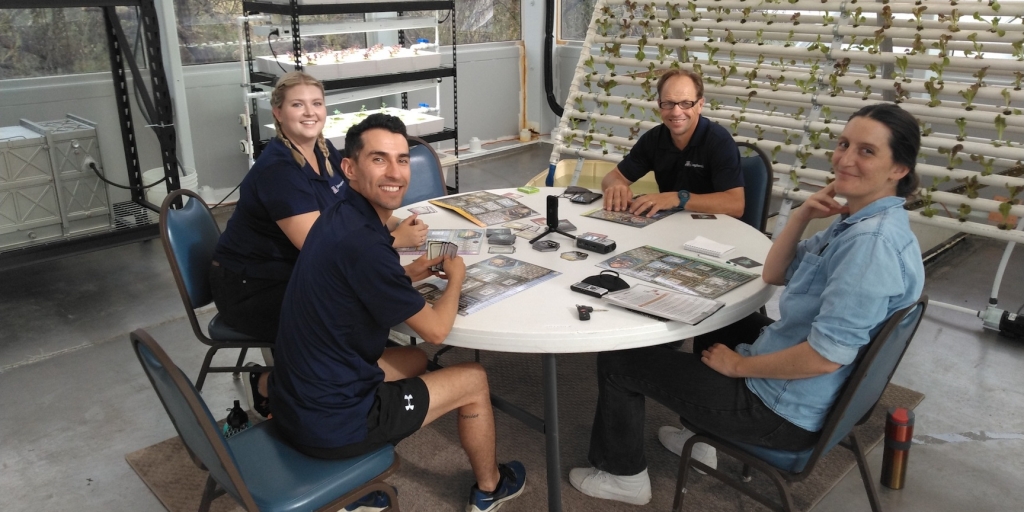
(484, 208)
(687, 274)
(489, 281)
(627, 218)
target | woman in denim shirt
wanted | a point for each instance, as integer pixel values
(772, 383)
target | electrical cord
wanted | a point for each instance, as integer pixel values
(118, 185)
(441, 22)
(272, 52)
(226, 197)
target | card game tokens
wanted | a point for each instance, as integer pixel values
(574, 255)
(546, 245)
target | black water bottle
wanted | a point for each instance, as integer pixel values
(236, 421)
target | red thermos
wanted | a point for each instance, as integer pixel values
(899, 430)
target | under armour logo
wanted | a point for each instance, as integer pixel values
(408, 405)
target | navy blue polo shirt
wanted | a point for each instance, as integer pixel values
(348, 289)
(275, 188)
(709, 163)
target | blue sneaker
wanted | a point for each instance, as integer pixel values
(510, 485)
(373, 502)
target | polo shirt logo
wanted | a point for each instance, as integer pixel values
(408, 403)
(691, 164)
(336, 188)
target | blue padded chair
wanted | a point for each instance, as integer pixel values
(189, 235)
(257, 467)
(426, 179)
(858, 398)
(757, 186)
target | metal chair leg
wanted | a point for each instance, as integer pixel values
(205, 368)
(241, 359)
(865, 473)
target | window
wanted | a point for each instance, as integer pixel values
(575, 16)
(46, 42)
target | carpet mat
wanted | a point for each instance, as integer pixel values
(435, 474)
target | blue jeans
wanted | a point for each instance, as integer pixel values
(701, 396)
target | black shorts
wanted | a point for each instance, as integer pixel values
(398, 411)
(248, 305)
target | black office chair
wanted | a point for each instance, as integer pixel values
(426, 180)
(256, 466)
(189, 236)
(858, 398)
(757, 185)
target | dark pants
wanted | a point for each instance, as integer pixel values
(701, 396)
(248, 305)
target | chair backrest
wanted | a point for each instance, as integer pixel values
(757, 186)
(426, 180)
(189, 236)
(869, 379)
(191, 418)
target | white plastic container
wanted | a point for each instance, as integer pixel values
(157, 194)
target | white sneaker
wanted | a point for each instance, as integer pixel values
(674, 438)
(634, 489)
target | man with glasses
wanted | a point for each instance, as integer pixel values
(695, 162)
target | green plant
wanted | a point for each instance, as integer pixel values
(901, 64)
(968, 94)
(953, 161)
(759, 132)
(961, 124)
(933, 88)
(978, 47)
(937, 67)
(918, 11)
(1000, 123)
(986, 164)
(963, 212)
(775, 154)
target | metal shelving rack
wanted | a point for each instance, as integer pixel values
(157, 103)
(362, 86)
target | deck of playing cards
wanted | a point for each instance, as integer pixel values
(437, 248)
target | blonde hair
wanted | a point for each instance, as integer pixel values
(286, 82)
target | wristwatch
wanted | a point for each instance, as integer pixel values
(684, 196)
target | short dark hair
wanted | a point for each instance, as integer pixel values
(698, 82)
(904, 140)
(354, 137)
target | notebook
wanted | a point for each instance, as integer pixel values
(707, 246)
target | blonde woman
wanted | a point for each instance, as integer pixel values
(297, 176)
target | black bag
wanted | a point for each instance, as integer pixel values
(607, 279)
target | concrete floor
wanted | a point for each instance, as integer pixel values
(74, 400)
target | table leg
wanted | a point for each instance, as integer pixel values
(551, 433)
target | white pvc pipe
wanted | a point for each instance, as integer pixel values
(1002, 265)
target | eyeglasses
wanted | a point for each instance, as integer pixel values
(669, 105)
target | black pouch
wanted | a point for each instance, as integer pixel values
(607, 279)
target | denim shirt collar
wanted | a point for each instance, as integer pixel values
(876, 207)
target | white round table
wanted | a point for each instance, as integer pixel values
(543, 319)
